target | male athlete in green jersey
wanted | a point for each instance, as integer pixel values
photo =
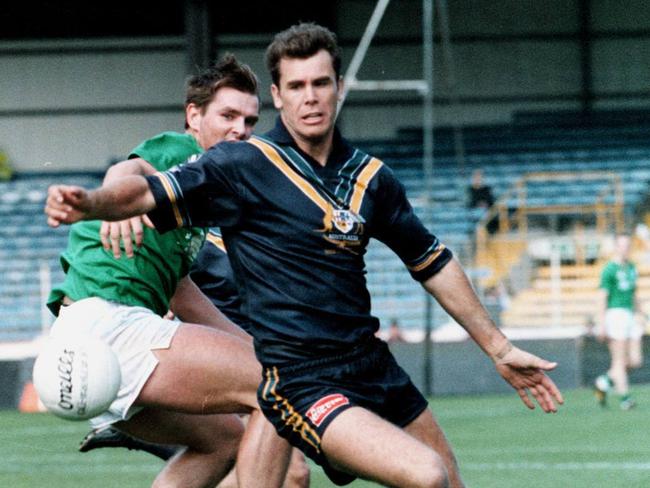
(180, 379)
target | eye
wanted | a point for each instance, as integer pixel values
(228, 117)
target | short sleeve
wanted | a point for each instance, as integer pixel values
(203, 193)
(607, 278)
(166, 150)
(399, 228)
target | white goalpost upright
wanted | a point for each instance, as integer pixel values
(422, 86)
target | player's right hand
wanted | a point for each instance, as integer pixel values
(66, 204)
(127, 232)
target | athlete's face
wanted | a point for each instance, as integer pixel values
(623, 245)
(230, 116)
(307, 96)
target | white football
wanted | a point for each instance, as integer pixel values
(76, 377)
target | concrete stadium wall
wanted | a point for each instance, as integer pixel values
(462, 368)
(78, 104)
(458, 368)
(13, 376)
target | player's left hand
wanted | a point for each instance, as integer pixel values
(127, 232)
(526, 374)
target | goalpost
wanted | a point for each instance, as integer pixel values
(424, 87)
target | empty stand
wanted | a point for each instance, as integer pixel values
(506, 154)
(27, 245)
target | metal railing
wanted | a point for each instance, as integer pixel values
(607, 206)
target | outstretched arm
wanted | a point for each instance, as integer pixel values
(524, 371)
(121, 199)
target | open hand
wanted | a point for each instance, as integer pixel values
(129, 232)
(526, 374)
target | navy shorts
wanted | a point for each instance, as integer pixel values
(302, 399)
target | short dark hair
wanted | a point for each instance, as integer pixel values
(301, 41)
(228, 72)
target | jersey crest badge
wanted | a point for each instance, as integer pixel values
(343, 228)
(343, 220)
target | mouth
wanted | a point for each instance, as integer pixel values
(313, 118)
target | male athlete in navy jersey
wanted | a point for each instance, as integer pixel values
(297, 208)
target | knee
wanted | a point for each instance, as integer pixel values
(435, 476)
(230, 439)
(635, 363)
(224, 440)
(298, 475)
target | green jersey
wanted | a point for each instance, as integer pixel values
(619, 280)
(149, 279)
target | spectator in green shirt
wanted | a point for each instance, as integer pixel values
(619, 323)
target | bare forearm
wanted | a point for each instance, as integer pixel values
(451, 288)
(136, 166)
(120, 199)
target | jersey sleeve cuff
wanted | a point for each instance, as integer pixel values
(431, 263)
(163, 216)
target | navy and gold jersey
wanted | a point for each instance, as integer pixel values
(212, 273)
(296, 234)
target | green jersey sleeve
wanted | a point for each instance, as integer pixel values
(166, 150)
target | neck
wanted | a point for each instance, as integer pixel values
(319, 150)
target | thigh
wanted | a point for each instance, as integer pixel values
(203, 433)
(203, 371)
(360, 442)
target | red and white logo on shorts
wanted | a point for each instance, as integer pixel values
(325, 406)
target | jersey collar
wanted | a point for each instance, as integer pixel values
(341, 148)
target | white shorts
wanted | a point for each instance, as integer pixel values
(620, 324)
(132, 333)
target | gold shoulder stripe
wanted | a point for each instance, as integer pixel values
(429, 260)
(273, 156)
(361, 184)
(217, 241)
(171, 196)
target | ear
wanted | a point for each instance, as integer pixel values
(340, 86)
(193, 116)
(275, 93)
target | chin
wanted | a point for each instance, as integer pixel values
(315, 132)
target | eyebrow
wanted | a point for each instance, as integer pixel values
(315, 80)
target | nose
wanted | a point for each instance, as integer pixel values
(310, 94)
(239, 129)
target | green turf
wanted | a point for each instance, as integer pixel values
(499, 443)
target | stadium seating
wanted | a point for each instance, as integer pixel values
(535, 143)
(532, 143)
(29, 252)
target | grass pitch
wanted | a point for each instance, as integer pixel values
(498, 442)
